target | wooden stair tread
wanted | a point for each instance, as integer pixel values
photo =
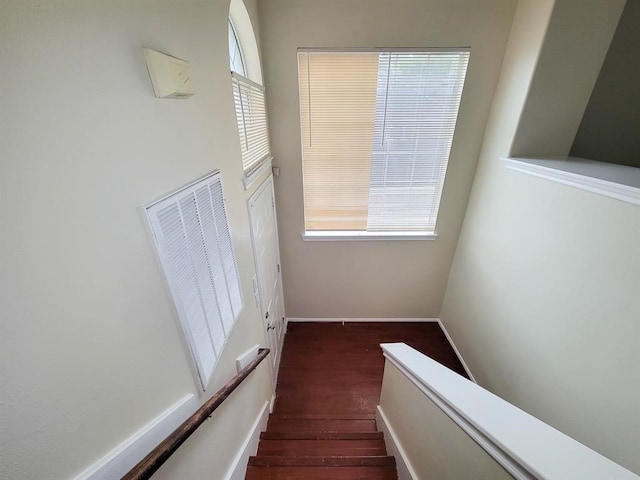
(321, 473)
(309, 425)
(324, 461)
(321, 447)
(317, 402)
(327, 395)
(321, 436)
(324, 416)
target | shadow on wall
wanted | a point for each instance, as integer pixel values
(611, 122)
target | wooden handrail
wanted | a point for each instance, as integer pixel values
(154, 460)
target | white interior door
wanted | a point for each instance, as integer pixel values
(264, 233)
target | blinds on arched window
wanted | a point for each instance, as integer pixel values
(251, 115)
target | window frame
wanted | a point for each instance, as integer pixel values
(364, 235)
(238, 46)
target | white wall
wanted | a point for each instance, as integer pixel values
(382, 278)
(543, 299)
(575, 45)
(610, 125)
(90, 347)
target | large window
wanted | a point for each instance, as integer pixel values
(377, 128)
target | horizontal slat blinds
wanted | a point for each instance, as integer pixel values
(377, 129)
(252, 122)
(337, 112)
(193, 241)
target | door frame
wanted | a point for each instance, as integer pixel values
(267, 184)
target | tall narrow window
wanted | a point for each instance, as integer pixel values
(251, 113)
(193, 241)
(377, 129)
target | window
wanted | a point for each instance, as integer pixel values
(377, 128)
(193, 241)
(251, 114)
(252, 123)
(235, 52)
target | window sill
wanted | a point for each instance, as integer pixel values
(250, 180)
(615, 181)
(356, 236)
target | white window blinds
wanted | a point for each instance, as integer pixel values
(193, 241)
(251, 114)
(377, 129)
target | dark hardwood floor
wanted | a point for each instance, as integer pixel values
(323, 423)
(335, 368)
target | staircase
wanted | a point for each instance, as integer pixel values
(323, 424)
(320, 447)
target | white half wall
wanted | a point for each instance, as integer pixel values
(430, 445)
(445, 427)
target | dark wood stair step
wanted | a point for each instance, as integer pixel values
(319, 448)
(332, 401)
(324, 416)
(321, 473)
(332, 461)
(308, 425)
(322, 436)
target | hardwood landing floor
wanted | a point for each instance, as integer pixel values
(323, 423)
(334, 368)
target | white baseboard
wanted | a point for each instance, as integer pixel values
(238, 468)
(127, 455)
(455, 349)
(347, 320)
(405, 470)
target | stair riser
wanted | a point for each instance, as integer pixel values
(317, 448)
(320, 426)
(321, 473)
(321, 436)
(354, 461)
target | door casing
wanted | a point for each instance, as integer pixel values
(268, 281)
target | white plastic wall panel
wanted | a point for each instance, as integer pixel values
(193, 241)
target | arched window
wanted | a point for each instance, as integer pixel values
(236, 59)
(242, 37)
(248, 94)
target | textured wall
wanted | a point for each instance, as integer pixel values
(91, 350)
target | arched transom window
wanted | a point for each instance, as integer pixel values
(235, 52)
(248, 94)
